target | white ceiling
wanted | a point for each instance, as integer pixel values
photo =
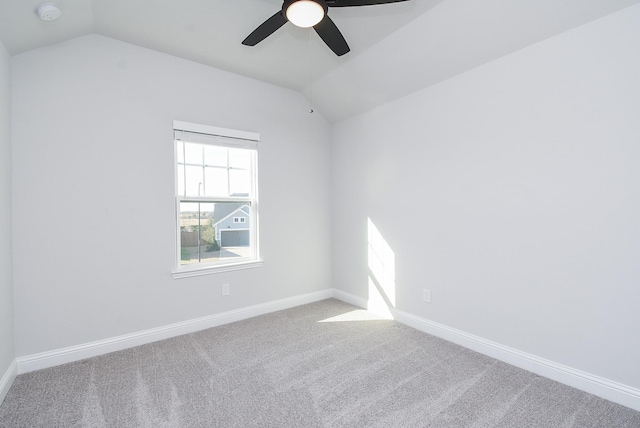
(396, 49)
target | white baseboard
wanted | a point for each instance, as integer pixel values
(605, 388)
(56, 357)
(350, 298)
(7, 379)
(596, 385)
(613, 391)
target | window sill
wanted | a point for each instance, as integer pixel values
(208, 270)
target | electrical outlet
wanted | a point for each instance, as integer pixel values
(225, 290)
(426, 295)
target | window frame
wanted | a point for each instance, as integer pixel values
(230, 138)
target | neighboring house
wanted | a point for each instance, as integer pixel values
(231, 223)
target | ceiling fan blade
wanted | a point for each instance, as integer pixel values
(348, 3)
(328, 32)
(265, 29)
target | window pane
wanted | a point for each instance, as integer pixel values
(215, 156)
(240, 182)
(193, 153)
(180, 172)
(197, 242)
(195, 181)
(239, 158)
(179, 152)
(216, 181)
(232, 223)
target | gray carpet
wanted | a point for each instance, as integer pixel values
(288, 369)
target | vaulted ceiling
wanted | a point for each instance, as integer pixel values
(396, 49)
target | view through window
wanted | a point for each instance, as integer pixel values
(216, 185)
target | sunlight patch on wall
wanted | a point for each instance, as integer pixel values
(382, 272)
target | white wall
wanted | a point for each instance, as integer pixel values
(513, 193)
(6, 286)
(93, 191)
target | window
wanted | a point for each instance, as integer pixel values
(216, 199)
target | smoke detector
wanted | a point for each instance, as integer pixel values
(48, 11)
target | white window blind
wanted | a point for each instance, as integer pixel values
(211, 135)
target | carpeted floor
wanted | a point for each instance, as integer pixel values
(327, 364)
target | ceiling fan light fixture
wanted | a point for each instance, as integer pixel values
(305, 13)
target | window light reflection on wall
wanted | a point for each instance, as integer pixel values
(382, 272)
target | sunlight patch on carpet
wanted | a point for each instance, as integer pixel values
(357, 315)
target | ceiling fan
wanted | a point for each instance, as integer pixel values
(310, 13)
